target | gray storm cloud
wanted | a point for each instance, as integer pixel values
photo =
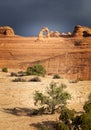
(27, 17)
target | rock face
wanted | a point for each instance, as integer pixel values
(6, 31)
(73, 65)
(69, 57)
(82, 31)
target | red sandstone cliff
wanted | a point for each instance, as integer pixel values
(71, 57)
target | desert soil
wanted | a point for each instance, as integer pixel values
(20, 95)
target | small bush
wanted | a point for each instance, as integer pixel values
(56, 76)
(13, 74)
(4, 70)
(67, 115)
(61, 126)
(36, 70)
(87, 107)
(85, 121)
(19, 80)
(21, 73)
(35, 79)
(77, 122)
(73, 81)
(44, 127)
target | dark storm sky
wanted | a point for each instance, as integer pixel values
(27, 17)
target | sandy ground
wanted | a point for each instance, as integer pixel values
(20, 96)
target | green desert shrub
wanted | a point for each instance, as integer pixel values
(56, 76)
(19, 80)
(86, 117)
(61, 126)
(55, 97)
(76, 122)
(67, 115)
(44, 127)
(69, 120)
(4, 70)
(84, 120)
(36, 70)
(21, 73)
(35, 79)
(87, 105)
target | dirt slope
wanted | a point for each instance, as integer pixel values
(20, 96)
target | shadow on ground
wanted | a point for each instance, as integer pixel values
(45, 125)
(21, 111)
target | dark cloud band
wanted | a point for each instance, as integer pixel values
(28, 16)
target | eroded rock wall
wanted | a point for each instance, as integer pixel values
(69, 57)
(57, 55)
(73, 65)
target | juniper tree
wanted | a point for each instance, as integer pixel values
(54, 98)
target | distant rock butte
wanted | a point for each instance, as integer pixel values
(6, 31)
(82, 31)
(68, 54)
(79, 31)
(46, 33)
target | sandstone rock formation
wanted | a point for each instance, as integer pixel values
(68, 34)
(54, 34)
(81, 31)
(70, 57)
(46, 33)
(6, 31)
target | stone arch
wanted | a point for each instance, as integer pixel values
(7, 31)
(44, 33)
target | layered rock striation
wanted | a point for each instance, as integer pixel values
(69, 57)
